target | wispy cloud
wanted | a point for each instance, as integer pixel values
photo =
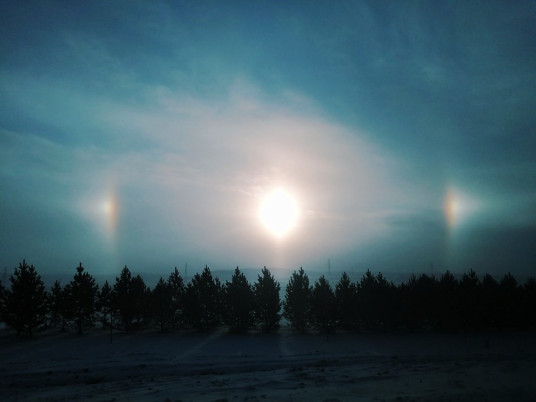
(156, 129)
(195, 172)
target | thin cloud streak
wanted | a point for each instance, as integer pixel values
(186, 115)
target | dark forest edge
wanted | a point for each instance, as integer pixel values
(423, 303)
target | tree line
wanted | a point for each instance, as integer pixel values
(372, 303)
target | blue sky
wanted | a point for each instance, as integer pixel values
(148, 134)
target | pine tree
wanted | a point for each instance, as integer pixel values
(509, 296)
(267, 303)
(67, 307)
(469, 299)
(130, 299)
(323, 306)
(26, 301)
(122, 298)
(489, 307)
(238, 296)
(529, 310)
(367, 300)
(104, 303)
(203, 304)
(162, 309)
(385, 299)
(297, 297)
(55, 303)
(345, 295)
(176, 285)
(2, 301)
(448, 308)
(139, 296)
(421, 300)
(83, 290)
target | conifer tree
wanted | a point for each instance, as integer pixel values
(345, 295)
(323, 306)
(509, 298)
(55, 303)
(2, 301)
(367, 300)
(489, 307)
(203, 304)
(104, 303)
(297, 298)
(130, 299)
(529, 311)
(238, 296)
(469, 299)
(122, 298)
(67, 307)
(162, 304)
(385, 298)
(448, 308)
(267, 305)
(83, 291)
(139, 296)
(25, 309)
(176, 286)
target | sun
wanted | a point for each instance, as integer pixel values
(278, 212)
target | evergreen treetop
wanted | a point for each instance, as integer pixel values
(83, 291)
(267, 305)
(26, 308)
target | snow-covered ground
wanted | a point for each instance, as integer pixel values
(285, 366)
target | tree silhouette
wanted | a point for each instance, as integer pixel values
(25, 309)
(323, 313)
(447, 293)
(130, 300)
(528, 314)
(203, 301)
(509, 301)
(373, 303)
(267, 301)
(139, 294)
(104, 303)
(2, 301)
(420, 300)
(238, 301)
(346, 302)
(67, 307)
(176, 286)
(296, 306)
(469, 299)
(162, 304)
(123, 299)
(55, 303)
(385, 298)
(83, 292)
(489, 307)
(367, 300)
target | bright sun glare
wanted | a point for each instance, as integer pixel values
(278, 212)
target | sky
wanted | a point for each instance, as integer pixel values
(149, 134)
